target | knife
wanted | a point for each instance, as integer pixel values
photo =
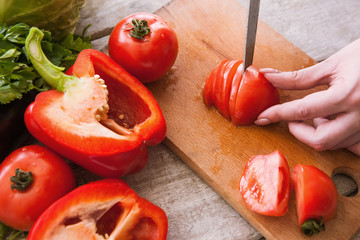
(252, 22)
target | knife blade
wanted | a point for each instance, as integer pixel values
(252, 22)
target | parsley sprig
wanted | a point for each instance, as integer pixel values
(8, 233)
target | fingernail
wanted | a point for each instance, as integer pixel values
(269, 70)
(262, 121)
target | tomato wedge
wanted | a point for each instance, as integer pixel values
(316, 198)
(265, 184)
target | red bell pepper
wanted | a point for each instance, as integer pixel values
(104, 209)
(101, 123)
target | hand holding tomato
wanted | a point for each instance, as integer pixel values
(31, 179)
(335, 111)
(144, 45)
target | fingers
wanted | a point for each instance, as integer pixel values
(344, 131)
(348, 142)
(306, 78)
(318, 104)
(355, 148)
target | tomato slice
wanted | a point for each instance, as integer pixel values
(209, 87)
(316, 198)
(228, 77)
(265, 184)
(234, 88)
(217, 86)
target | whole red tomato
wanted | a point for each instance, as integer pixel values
(31, 179)
(316, 198)
(265, 184)
(239, 97)
(145, 45)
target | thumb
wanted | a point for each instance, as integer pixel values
(305, 78)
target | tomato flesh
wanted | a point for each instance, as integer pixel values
(265, 184)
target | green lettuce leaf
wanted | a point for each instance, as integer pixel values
(57, 16)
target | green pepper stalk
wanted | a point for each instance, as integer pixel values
(71, 85)
(52, 74)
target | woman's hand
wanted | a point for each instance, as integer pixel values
(335, 112)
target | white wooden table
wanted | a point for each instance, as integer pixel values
(194, 210)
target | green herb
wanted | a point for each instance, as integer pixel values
(7, 233)
(17, 75)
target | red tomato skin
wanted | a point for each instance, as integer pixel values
(52, 179)
(149, 59)
(260, 186)
(316, 194)
(255, 94)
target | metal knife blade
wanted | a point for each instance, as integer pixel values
(251, 28)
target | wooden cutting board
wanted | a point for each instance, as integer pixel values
(208, 32)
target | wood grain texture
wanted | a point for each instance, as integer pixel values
(209, 31)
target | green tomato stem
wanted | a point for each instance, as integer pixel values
(52, 74)
(22, 180)
(313, 226)
(140, 28)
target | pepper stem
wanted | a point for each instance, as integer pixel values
(140, 28)
(313, 226)
(52, 74)
(22, 180)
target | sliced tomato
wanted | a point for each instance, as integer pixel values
(316, 198)
(265, 184)
(239, 97)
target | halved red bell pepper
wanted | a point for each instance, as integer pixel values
(104, 209)
(100, 117)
